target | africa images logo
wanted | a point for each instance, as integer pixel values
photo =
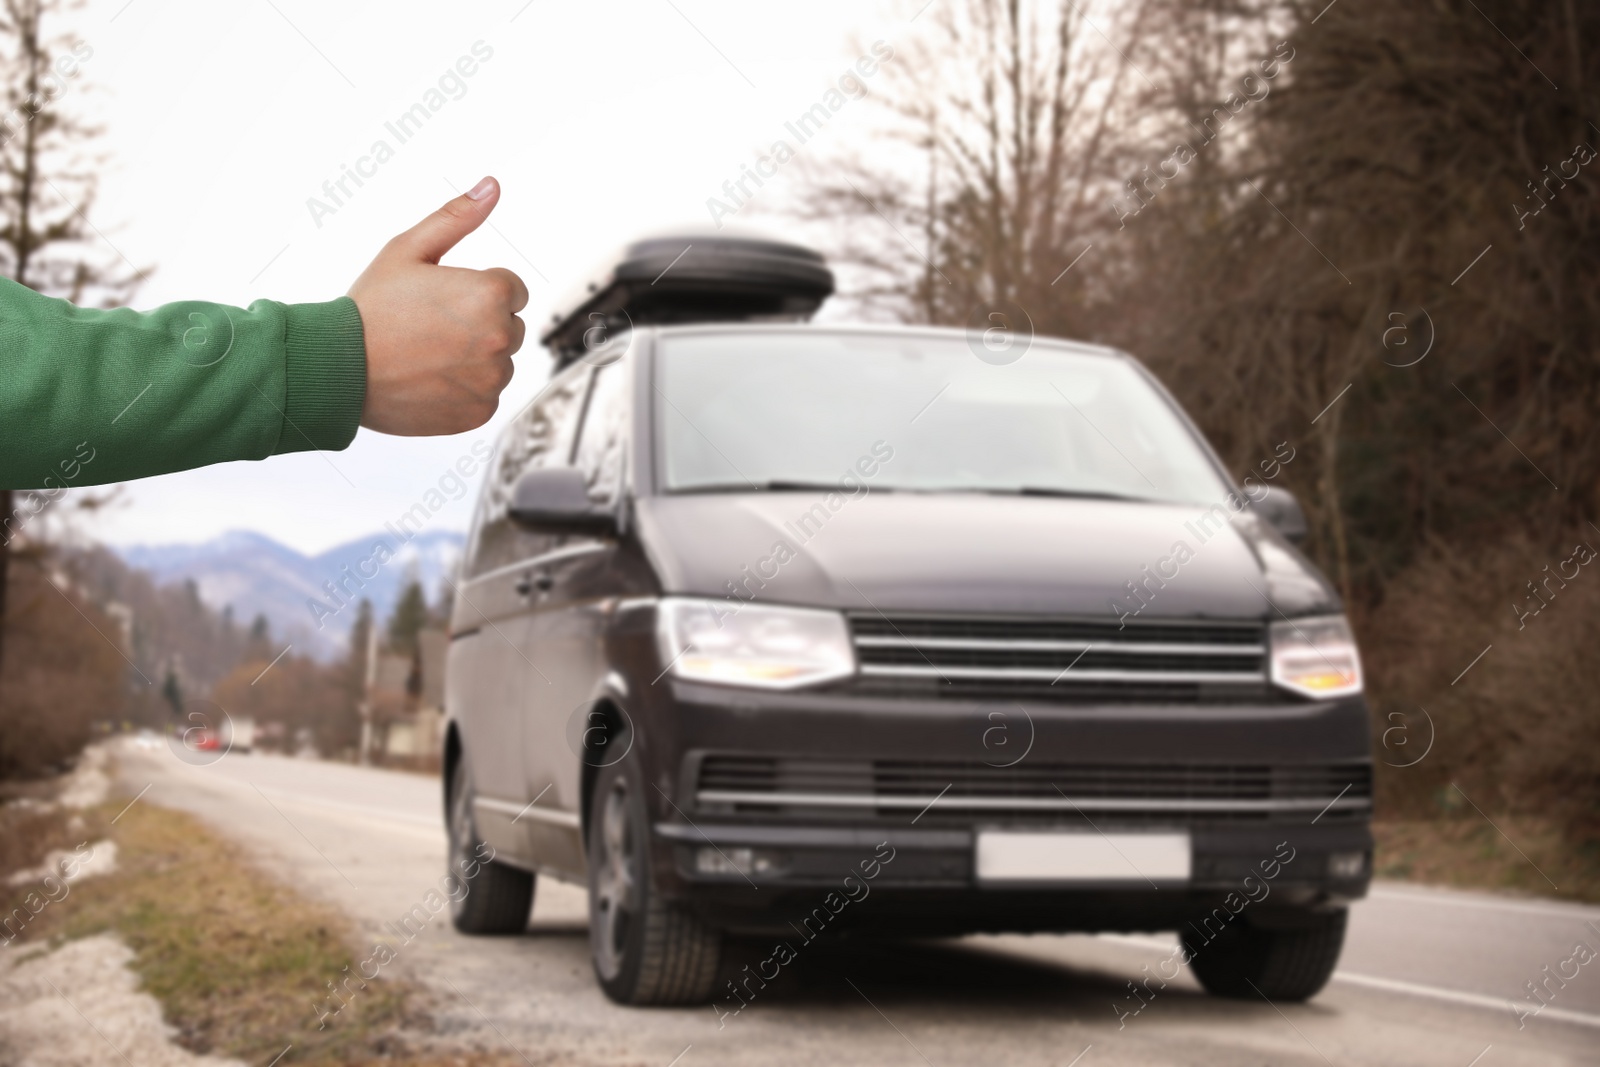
(208, 337)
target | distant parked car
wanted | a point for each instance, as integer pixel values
(204, 740)
(240, 733)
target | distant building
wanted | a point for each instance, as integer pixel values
(403, 712)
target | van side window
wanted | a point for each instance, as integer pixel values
(603, 440)
(540, 437)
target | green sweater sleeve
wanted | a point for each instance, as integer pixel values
(89, 397)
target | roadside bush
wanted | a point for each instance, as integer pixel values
(1518, 730)
(61, 671)
(296, 691)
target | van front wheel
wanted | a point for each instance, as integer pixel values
(645, 950)
(1289, 963)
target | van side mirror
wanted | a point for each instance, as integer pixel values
(556, 500)
(1280, 508)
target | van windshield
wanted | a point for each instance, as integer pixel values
(775, 411)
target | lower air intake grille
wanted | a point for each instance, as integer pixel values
(1145, 792)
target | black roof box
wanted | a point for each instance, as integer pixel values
(690, 277)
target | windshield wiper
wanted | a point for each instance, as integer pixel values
(1063, 494)
(773, 486)
(779, 485)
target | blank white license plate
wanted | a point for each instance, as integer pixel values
(1012, 856)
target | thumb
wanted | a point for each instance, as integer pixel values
(435, 235)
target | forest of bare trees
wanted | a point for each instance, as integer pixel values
(1365, 229)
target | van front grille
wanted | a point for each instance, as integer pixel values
(1060, 659)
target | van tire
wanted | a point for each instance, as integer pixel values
(498, 898)
(1247, 961)
(645, 950)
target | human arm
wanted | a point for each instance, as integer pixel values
(90, 396)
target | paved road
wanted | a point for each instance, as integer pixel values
(1425, 977)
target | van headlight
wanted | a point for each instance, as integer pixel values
(750, 644)
(1316, 657)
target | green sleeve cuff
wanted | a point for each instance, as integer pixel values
(325, 368)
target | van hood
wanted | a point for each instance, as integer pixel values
(973, 553)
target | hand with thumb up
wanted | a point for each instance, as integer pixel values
(439, 339)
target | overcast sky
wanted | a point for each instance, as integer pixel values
(601, 120)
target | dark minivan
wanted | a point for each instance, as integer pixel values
(774, 628)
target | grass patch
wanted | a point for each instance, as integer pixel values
(237, 960)
(1469, 853)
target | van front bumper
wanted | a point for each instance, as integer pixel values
(751, 856)
(762, 877)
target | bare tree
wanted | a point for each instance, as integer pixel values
(1009, 114)
(47, 188)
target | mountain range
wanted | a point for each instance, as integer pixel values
(256, 575)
